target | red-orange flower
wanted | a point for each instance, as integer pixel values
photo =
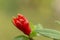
(22, 24)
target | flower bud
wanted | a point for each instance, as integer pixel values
(22, 24)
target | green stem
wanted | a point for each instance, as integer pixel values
(30, 38)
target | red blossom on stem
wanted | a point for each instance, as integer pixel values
(22, 24)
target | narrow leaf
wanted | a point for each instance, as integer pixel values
(22, 37)
(49, 33)
(56, 39)
(39, 26)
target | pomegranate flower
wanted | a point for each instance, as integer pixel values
(22, 24)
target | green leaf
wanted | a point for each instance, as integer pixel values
(38, 26)
(22, 37)
(56, 39)
(49, 33)
(34, 27)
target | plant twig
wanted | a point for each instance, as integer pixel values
(30, 38)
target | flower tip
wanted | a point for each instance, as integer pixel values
(19, 14)
(13, 17)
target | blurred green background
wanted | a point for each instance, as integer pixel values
(37, 11)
